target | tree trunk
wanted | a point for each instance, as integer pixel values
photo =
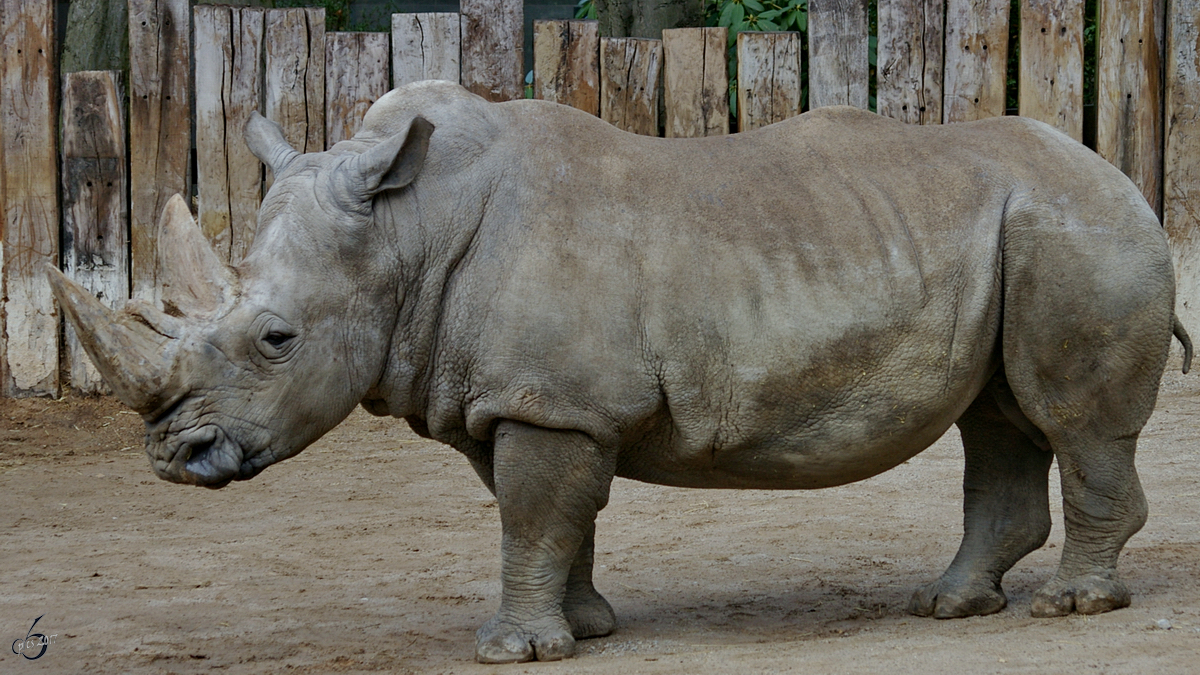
(97, 36)
(647, 18)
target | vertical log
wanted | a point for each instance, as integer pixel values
(768, 78)
(493, 36)
(909, 61)
(29, 164)
(566, 63)
(1181, 160)
(838, 68)
(1129, 94)
(356, 74)
(696, 82)
(1051, 78)
(426, 47)
(95, 210)
(976, 59)
(159, 125)
(294, 45)
(228, 88)
(629, 70)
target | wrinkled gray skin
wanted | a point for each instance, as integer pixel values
(800, 306)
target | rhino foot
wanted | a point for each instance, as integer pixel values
(588, 613)
(942, 600)
(1085, 594)
(506, 642)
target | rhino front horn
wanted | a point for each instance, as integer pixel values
(193, 281)
(135, 360)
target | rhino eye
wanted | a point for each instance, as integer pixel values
(277, 339)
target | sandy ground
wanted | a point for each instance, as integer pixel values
(376, 551)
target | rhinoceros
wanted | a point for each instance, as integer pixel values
(799, 306)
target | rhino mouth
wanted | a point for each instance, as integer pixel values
(204, 456)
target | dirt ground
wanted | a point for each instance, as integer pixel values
(377, 551)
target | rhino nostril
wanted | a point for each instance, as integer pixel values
(197, 448)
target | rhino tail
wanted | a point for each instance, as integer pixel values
(1182, 336)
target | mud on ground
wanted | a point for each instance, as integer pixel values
(377, 551)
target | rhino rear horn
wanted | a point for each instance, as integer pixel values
(266, 140)
(193, 281)
(396, 161)
(135, 360)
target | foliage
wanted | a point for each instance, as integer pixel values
(586, 9)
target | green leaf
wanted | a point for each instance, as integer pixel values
(770, 14)
(739, 17)
(753, 5)
(727, 15)
(767, 24)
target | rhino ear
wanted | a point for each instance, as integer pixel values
(396, 161)
(266, 140)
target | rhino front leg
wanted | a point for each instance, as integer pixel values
(549, 485)
(1006, 508)
(588, 613)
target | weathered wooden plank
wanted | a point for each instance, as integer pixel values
(838, 68)
(1051, 75)
(493, 35)
(566, 63)
(95, 227)
(769, 83)
(629, 71)
(696, 82)
(356, 75)
(159, 125)
(976, 59)
(1129, 93)
(1181, 155)
(29, 164)
(426, 46)
(909, 61)
(228, 88)
(294, 82)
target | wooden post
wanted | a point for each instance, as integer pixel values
(356, 75)
(29, 165)
(294, 44)
(696, 82)
(426, 47)
(493, 36)
(95, 208)
(228, 89)
(629, 69)
(1129, 93)
(838, 68)
(1181, 160)
(909, 60)
(1051, 79)
(160, 137)
(566, 63)
(768, 78)
(976, 59)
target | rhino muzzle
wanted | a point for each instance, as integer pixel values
(204, 456)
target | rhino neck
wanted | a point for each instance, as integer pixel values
(435, 226)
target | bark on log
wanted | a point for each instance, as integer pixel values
(1051, 79)
(629, 71)
(1181, 161)
(97, 36)
(647, 18)
(493, 38)
(356, 75)
(294, 45)
(976, 59)
(769, 83)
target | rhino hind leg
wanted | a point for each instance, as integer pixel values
(1006, 510)
(549, 485)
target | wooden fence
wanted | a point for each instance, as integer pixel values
(90, 202)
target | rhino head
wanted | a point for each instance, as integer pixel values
(235, 368)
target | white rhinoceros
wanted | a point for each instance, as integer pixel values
(800, 306)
